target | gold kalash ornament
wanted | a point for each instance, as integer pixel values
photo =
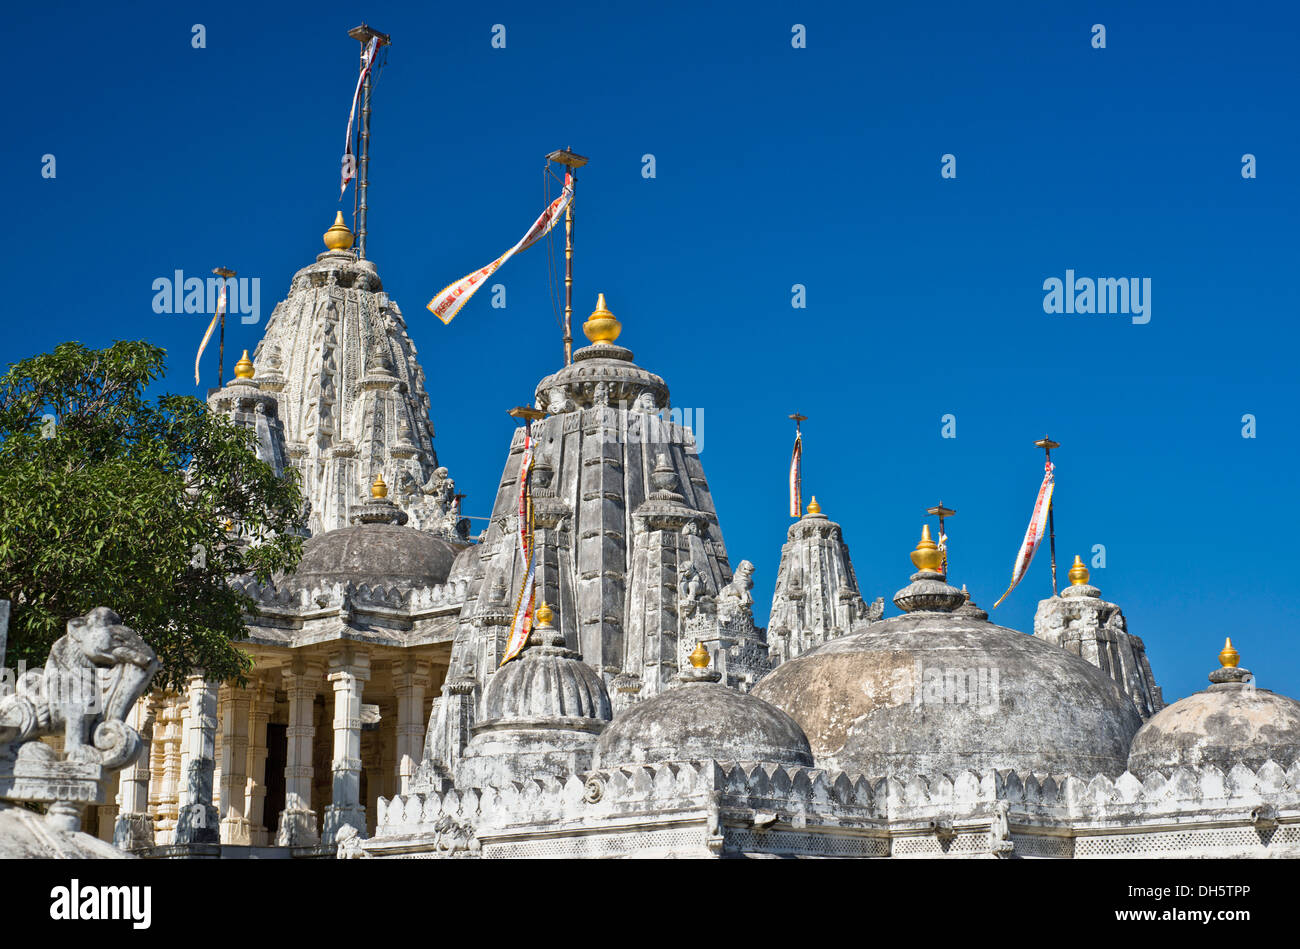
(602, 327)
(927, 557)
(1078, 572)
(338, 237)
(700, 657)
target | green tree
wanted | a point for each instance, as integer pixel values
(147, 507)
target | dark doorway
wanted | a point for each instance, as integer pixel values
(277, 755)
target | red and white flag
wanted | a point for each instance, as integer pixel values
(349, 160)
(796, 477)
(1034, 532)
(521, 625)
(448, 301)
(221, 308)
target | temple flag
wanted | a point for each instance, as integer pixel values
(448, 301)
(349, 162)
(221, 309)
(1034, 532)
(521, 625)
(796, 477)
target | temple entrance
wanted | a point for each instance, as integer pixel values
(277, 755)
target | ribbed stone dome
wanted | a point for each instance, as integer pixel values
(546, 682)
(935, 692)
(1232, 722)
(701, 720)
(377, 554)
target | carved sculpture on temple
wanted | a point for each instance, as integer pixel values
(94, 675)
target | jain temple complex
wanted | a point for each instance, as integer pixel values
(647, 715)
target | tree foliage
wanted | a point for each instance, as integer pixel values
(148, 507)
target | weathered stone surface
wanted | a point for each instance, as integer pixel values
(376, 553)
(1227, 724)
(94, 675)
(630, 553)
(816, 596)
(337, 360)
(1081, 622)
(702, 719)
(930, 693)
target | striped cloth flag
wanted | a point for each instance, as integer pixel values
(796, 477)
(221, 309)
(1034, 532)
(521, 625)
(448, 301)
(349, 161)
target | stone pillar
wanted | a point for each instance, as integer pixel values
(133, 829)
(234, 762)
(297, 826)
(169, 764)
(410, 679)
(197, 822)
(263, 696)
(348, 672)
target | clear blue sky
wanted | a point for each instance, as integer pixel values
(775, 166)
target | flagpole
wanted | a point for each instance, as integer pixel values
(1047, 445)
(225, 275)
(573, 162)
(798, 440)
(941, 512)
(364, 34)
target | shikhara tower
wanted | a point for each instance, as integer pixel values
(352, 402)
(630, 550)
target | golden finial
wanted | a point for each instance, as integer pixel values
(544, 614)
(927, 555)
(338, 237)
(602, 326)
(1229, 657)
(813, 506)
(700, 657)
(244, 368)
(377, 487)
(1078, 572)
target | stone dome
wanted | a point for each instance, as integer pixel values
(1232, 722)
(936, 692)
(546, 682)
(541, 714)
(385, 554)
(702, 719)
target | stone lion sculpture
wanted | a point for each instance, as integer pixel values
(94, 674)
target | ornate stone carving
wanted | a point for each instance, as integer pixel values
(735, 599)
(94, 676)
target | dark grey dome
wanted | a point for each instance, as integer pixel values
(377, 554)
(937, 693)
(702, 720)
(1227, 724)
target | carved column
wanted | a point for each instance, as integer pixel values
(234, 762)
(410, 679)
(297, 826)
(169, 765)
(197, 821)
(133, 830)
(255, 804)
(349, 670)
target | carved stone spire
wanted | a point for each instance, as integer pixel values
(350, 391)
